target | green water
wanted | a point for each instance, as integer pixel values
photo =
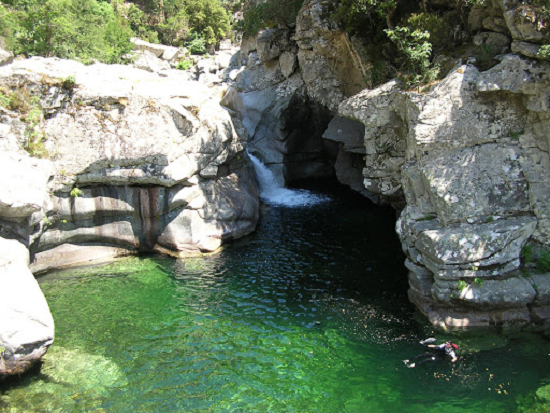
(309, 314)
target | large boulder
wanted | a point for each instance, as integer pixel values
(26, 325)
(470, 158)
(167, 53)
(381, 113)
(333, 65)
(6, 57)
(120, 126)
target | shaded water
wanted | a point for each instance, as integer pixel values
(309, 314)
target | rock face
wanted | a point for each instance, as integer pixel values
(288, 85)
(158, 162)
(466, 164)
(135, 162)
(469, 158)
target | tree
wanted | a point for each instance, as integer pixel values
(209, 18)
(270, 13)
(76, 29)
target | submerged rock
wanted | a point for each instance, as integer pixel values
(62, 371)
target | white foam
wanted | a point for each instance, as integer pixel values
(273, 193)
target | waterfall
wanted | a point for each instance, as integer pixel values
(273, 193)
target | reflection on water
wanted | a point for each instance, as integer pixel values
(309, 314)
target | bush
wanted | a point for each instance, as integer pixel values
(75, 192)
(439, 29)
(30, 111)
(35, 144)
(417, 50)
(185, 64)
(138, 23)
(544, 51)
(543, 262)
(197, 45)
(527, 254)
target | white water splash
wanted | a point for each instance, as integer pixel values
(273, 193)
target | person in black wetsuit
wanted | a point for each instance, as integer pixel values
(442, 350)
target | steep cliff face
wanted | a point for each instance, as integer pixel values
(288, 87)
(135, 162)
(474, 170)
(465, 163)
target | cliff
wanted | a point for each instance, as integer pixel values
(464, 160)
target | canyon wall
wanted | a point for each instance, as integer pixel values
(464, 161)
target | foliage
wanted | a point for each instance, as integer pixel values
(138, 23)
(484, 56)
(75, 192)
(174, 30)
(478, 281)
(197, 45)
(544, 51)
(185, 64)
(232, 5)
(527, 254)
(69, 82)
(77, 29)
(416, 36)
(417, 50)
(30, 111)
(544, 8)
(462, 285)
(384, 8)
(439, 29)
(6, 22)
(90, 30)
(209, 18)
(35, 144)
(271, 13)
(543, 262)
(538, 259)
(172, 22)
